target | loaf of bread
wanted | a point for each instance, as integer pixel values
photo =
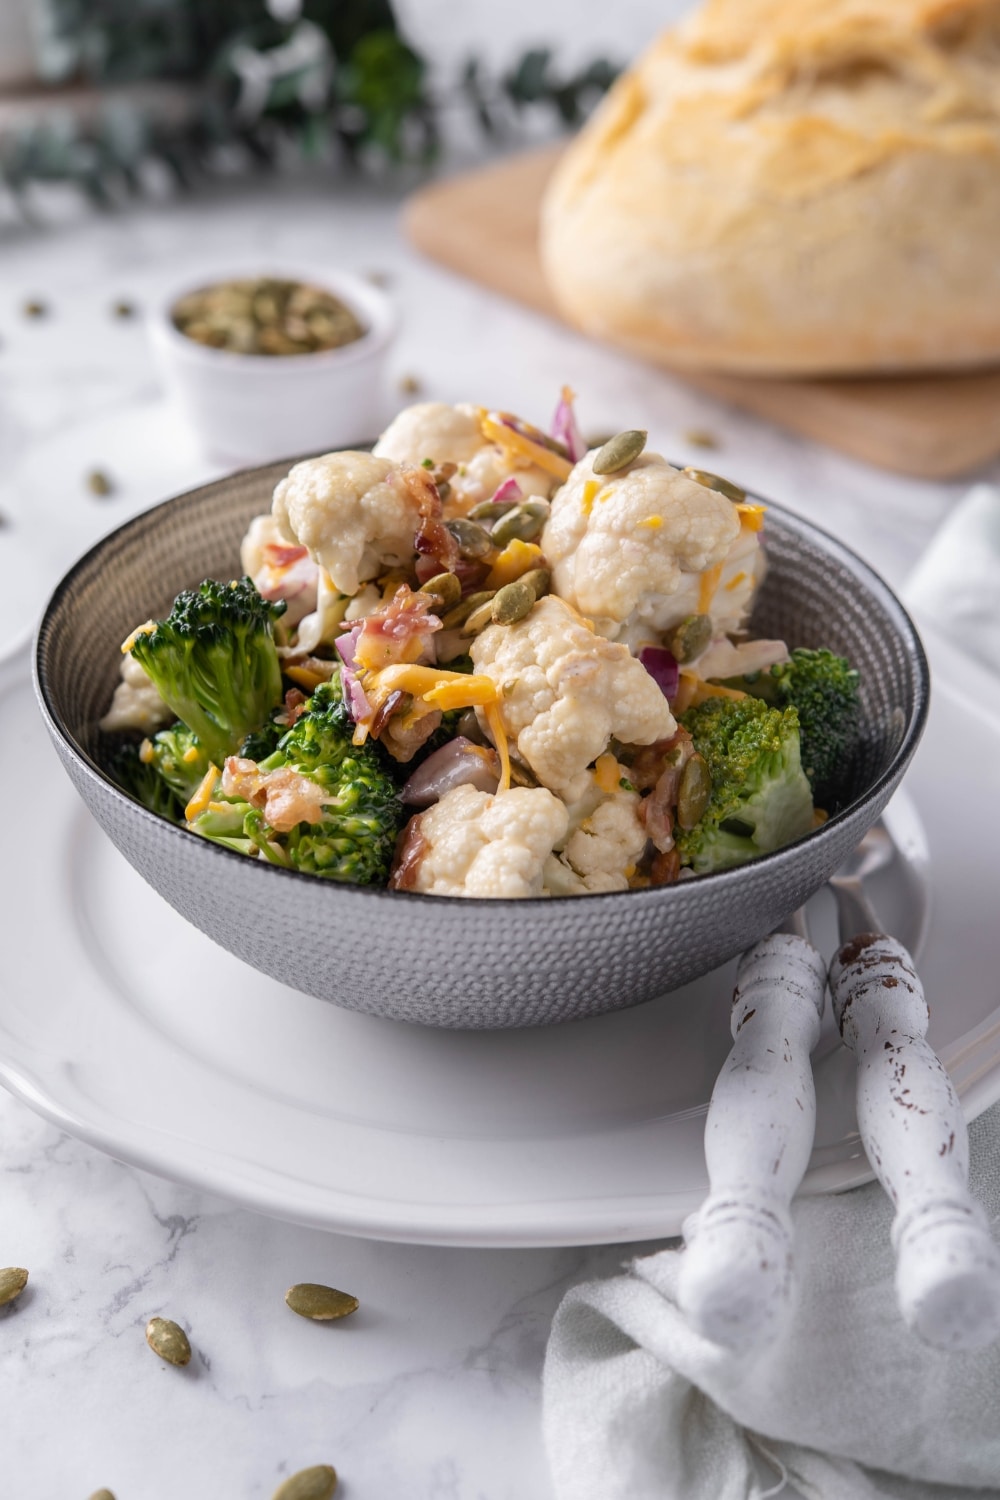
(793, 186)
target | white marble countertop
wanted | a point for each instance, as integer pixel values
(432, 1388)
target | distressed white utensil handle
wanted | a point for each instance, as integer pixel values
(913, 1129)
(736, 1272)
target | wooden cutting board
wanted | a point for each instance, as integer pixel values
(484, 225)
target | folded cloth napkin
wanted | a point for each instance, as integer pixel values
(846, 1403)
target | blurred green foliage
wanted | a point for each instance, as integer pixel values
(330, 78)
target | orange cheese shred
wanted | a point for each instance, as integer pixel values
(520, 446)
(202, 794)
(709, 584)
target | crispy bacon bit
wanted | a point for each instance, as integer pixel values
(433, 539)
(283, 554)
(399, 632)
(647, 763)
(284, 797)
(295, 706)
(665, 868)
(385, 712)
(659, 767)
(407, 732)
(411, 846)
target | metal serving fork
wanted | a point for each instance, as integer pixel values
(736, 1274)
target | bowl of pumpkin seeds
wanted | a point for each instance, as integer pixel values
(265, 362)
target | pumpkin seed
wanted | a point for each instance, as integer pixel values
(266, 315)
(473, 540)
(102, 1495)
(461, 612)
(98, 483)
(512, 602)
(310, 1299)
(716, 482)
(317, 1483)
(690, 638)
(538, 580)
(410, 385)
(492, 510)
(123, 309)
(524, 523)
(168, 1340)
(445, 588)
(700, 437)
(694, 791)
(620, 451)
(13, 1280)
(35, 309)
(480, 618)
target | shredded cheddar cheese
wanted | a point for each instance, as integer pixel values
(191, 754)
(590, 489)
(651, 523)
(146, 628)
(516, 559)
(694, 690)
(751, 516)
(735, 581)
(709, 584)
(305, 677)
(202, 796)
(608, 773)
(519, 446)
(495, 722)
(146, 752)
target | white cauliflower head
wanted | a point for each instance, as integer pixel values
(136, 703)
(605, 841)
(479, 844)
(633, 550)
(352, 512)
(279, 568)
(565, 692)
(453, 434)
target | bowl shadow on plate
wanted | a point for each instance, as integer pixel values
(446, 961)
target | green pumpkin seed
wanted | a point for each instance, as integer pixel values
(538, 580)
(715, 482)
(445, 588)
(690, 638)
(102, 1495)
(98, 483)
(13, 1280)
(461, 612)
(620, 451)
(522, 524)
(168, 1340)
(693, 793)
(480, 618)
(310, 1299)
(492, 511)
(512, 602)
(317, 1483)
(473, 540)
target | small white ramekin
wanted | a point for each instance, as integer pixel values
(250, 408)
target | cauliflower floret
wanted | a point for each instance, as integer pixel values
(352, 513)
(564, 692)
(605, 842)
(478, 844)
(136, 703)
(280, 569)
(629, 550)
(454, 434)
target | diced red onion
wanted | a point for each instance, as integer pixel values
(662, 667)
(509, 490)
(354, 693)
(565, 430)
(458, 763)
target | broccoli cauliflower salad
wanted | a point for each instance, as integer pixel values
(483, 661)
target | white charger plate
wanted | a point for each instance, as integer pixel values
(133, 1031)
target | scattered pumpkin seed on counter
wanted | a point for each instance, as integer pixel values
(102, 1495)
(169, 1341)
(317, 1483)
(13, 1280)
(266, 315)
(99, 483)
(310, 1299)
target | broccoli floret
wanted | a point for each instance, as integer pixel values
(824, 689)
(141, 780)
(214, 662)
(355, 839)
(760, 798)
(178, 756)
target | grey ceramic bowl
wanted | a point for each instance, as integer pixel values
(444, 961)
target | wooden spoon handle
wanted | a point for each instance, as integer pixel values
(914, 1132)
(736, 1271)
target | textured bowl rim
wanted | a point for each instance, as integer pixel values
(876, 585)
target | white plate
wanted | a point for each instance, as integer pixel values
(133, 1031)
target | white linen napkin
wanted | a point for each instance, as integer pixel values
(846, 1404)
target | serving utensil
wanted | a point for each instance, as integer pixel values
(911, 1124)
(736, 1275)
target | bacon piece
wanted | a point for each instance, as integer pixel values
(433, 539)
(411, 846)
(399, 632)
(284, 797)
